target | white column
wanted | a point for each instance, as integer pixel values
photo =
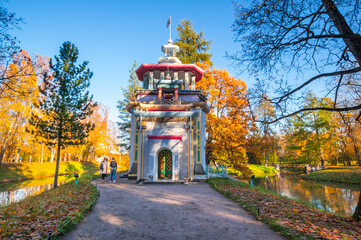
(140, 150)
(186, 83)
(151, 79)
(193, 87)
(145, 81)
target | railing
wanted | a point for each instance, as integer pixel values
(213, 171)
(169, 101)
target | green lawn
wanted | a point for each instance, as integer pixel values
(24, 171)
(337, 174)
(262, 171)
(257, 170)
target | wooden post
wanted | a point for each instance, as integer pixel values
(160, 95)
(176, 96)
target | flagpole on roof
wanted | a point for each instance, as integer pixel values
(170, 28)
(169, 24)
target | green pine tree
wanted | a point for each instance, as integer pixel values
(124, 116)
(193, 46)
(65, 102)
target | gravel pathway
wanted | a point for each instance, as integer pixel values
(126, 210)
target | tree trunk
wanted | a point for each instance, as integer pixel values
(2, 152)
(353, 44)
(266, 157)
(57, 159)
(356, 149)
(357, 214)
(265, 144)
(52, 154)
(319, 148)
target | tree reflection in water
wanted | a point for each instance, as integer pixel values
(331, 197)
(17, 191)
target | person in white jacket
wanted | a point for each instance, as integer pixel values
(103, 168)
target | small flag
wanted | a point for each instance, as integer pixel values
(168, 22)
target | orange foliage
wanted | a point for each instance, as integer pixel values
(18, 92)
(102, 139)
(229, 120)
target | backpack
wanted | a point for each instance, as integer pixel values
(101, 166)
(113, 164)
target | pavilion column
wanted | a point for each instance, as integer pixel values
(189, 148)
(151, 81)
(193, 86)
(186, 82)
(142, 151)
(145, 81)
(140, 162)
(176, 96)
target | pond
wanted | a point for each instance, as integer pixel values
(337, 198)
(16, 191)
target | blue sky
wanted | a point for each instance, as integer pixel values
(112, 34)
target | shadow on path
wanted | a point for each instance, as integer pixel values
(175, 211)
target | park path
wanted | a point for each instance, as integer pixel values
(126, 210)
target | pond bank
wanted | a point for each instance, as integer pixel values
(13, 172)
(337, 198)
(341, 174)
(50, 211)
(291, 218)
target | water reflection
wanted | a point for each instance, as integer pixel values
(13, 192)
(336, 198)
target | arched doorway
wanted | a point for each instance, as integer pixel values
(165, 164)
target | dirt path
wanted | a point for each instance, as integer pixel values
(174, 211)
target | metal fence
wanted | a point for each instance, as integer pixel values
(214, 171)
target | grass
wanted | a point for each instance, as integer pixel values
(11, 172)
(257, 170)
(290, 218)
(56, 210)
(348, 175)
(262, 171)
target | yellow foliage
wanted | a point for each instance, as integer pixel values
(229, 120)
(102, 139)
(18, 92)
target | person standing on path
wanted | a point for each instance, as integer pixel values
(103, 168)
(113, 170)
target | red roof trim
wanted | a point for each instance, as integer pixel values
(172, 67)
(169, 137)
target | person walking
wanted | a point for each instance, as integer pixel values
(103, 168)
(113, 170)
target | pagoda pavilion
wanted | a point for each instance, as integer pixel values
(168, 120)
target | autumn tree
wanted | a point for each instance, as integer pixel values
(64, 102)
(229, 120)
(101, 140)
(312, 134)
(349, 136)
(193, 46)
(8, 44)
(124, 116)
(265, 112)
(17, 95)
(295, 44)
